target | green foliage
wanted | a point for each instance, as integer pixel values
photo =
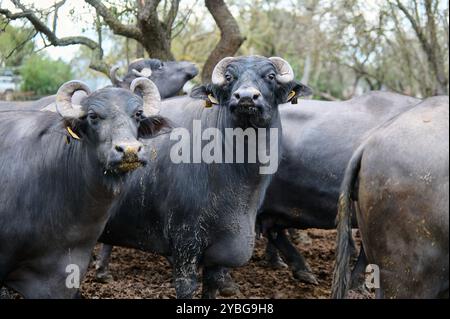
(43, 75)
(15, 45)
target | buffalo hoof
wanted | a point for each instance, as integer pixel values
(230, 289)
(306, 277)
(104, 277)
(277, 264)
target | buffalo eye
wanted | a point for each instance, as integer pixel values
(228, 77)
(271, 76)
(93, 116)
(139, 114)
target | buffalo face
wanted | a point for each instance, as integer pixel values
(110, 122)
(253, 87)
(169, 77)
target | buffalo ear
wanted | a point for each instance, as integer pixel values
(298, 90)
(74, 128)
(153, 126)
(204, 93)
(200, 92)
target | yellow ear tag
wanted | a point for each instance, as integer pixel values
(213, 99)
(72, 133)
(291, 95)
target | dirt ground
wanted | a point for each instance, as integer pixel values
(143, 275)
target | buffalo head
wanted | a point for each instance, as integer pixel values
(111, 121)
(252, 87)
(169, 77)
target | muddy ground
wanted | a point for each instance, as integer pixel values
(143, 275)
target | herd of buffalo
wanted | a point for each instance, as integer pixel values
(82, 167)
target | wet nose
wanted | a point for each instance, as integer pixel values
(249, 94)
(127, 148)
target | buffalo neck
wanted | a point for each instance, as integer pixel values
(80, 179)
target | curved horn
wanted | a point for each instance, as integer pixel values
(285, 72)
(150, 95)
(218, 75)
(145, 72)
(137, 60)
(63, 101)
(114, 77)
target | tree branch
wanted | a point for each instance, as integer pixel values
(55, 15)
(171, 15)
(148, 8)
(230, 36)
(116, 26)
(41, 28)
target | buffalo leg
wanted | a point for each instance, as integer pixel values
(273, 258)
(213, 279)
(102, 268)
(292, 256)
(186, 256)
(185, 277)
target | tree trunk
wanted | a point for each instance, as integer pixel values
(157, 46)
(156, 35)
(230, 36)
(139, 50)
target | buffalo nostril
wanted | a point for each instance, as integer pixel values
(256, 96)
(236, 95)
(139, 148)
(119, 149)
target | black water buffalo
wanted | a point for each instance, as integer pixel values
(203, 214)
(398, 180)
(319, 139)
(169, 76)
(59, 174)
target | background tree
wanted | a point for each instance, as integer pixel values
(15, 44)
(44, 76)
(341, 48)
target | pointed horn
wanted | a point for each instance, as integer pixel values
(116, 81)
(64, 95)
(218, 75)
(150, 95)
(285, 72)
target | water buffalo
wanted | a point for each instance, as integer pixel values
(398, 181)
(169, 76)
(59, 174)
(203, 214)
(319, 139)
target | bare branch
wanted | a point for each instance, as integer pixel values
(171, 15)
(42, 29)
(55, 15)
(148, 8)
(116, 26)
